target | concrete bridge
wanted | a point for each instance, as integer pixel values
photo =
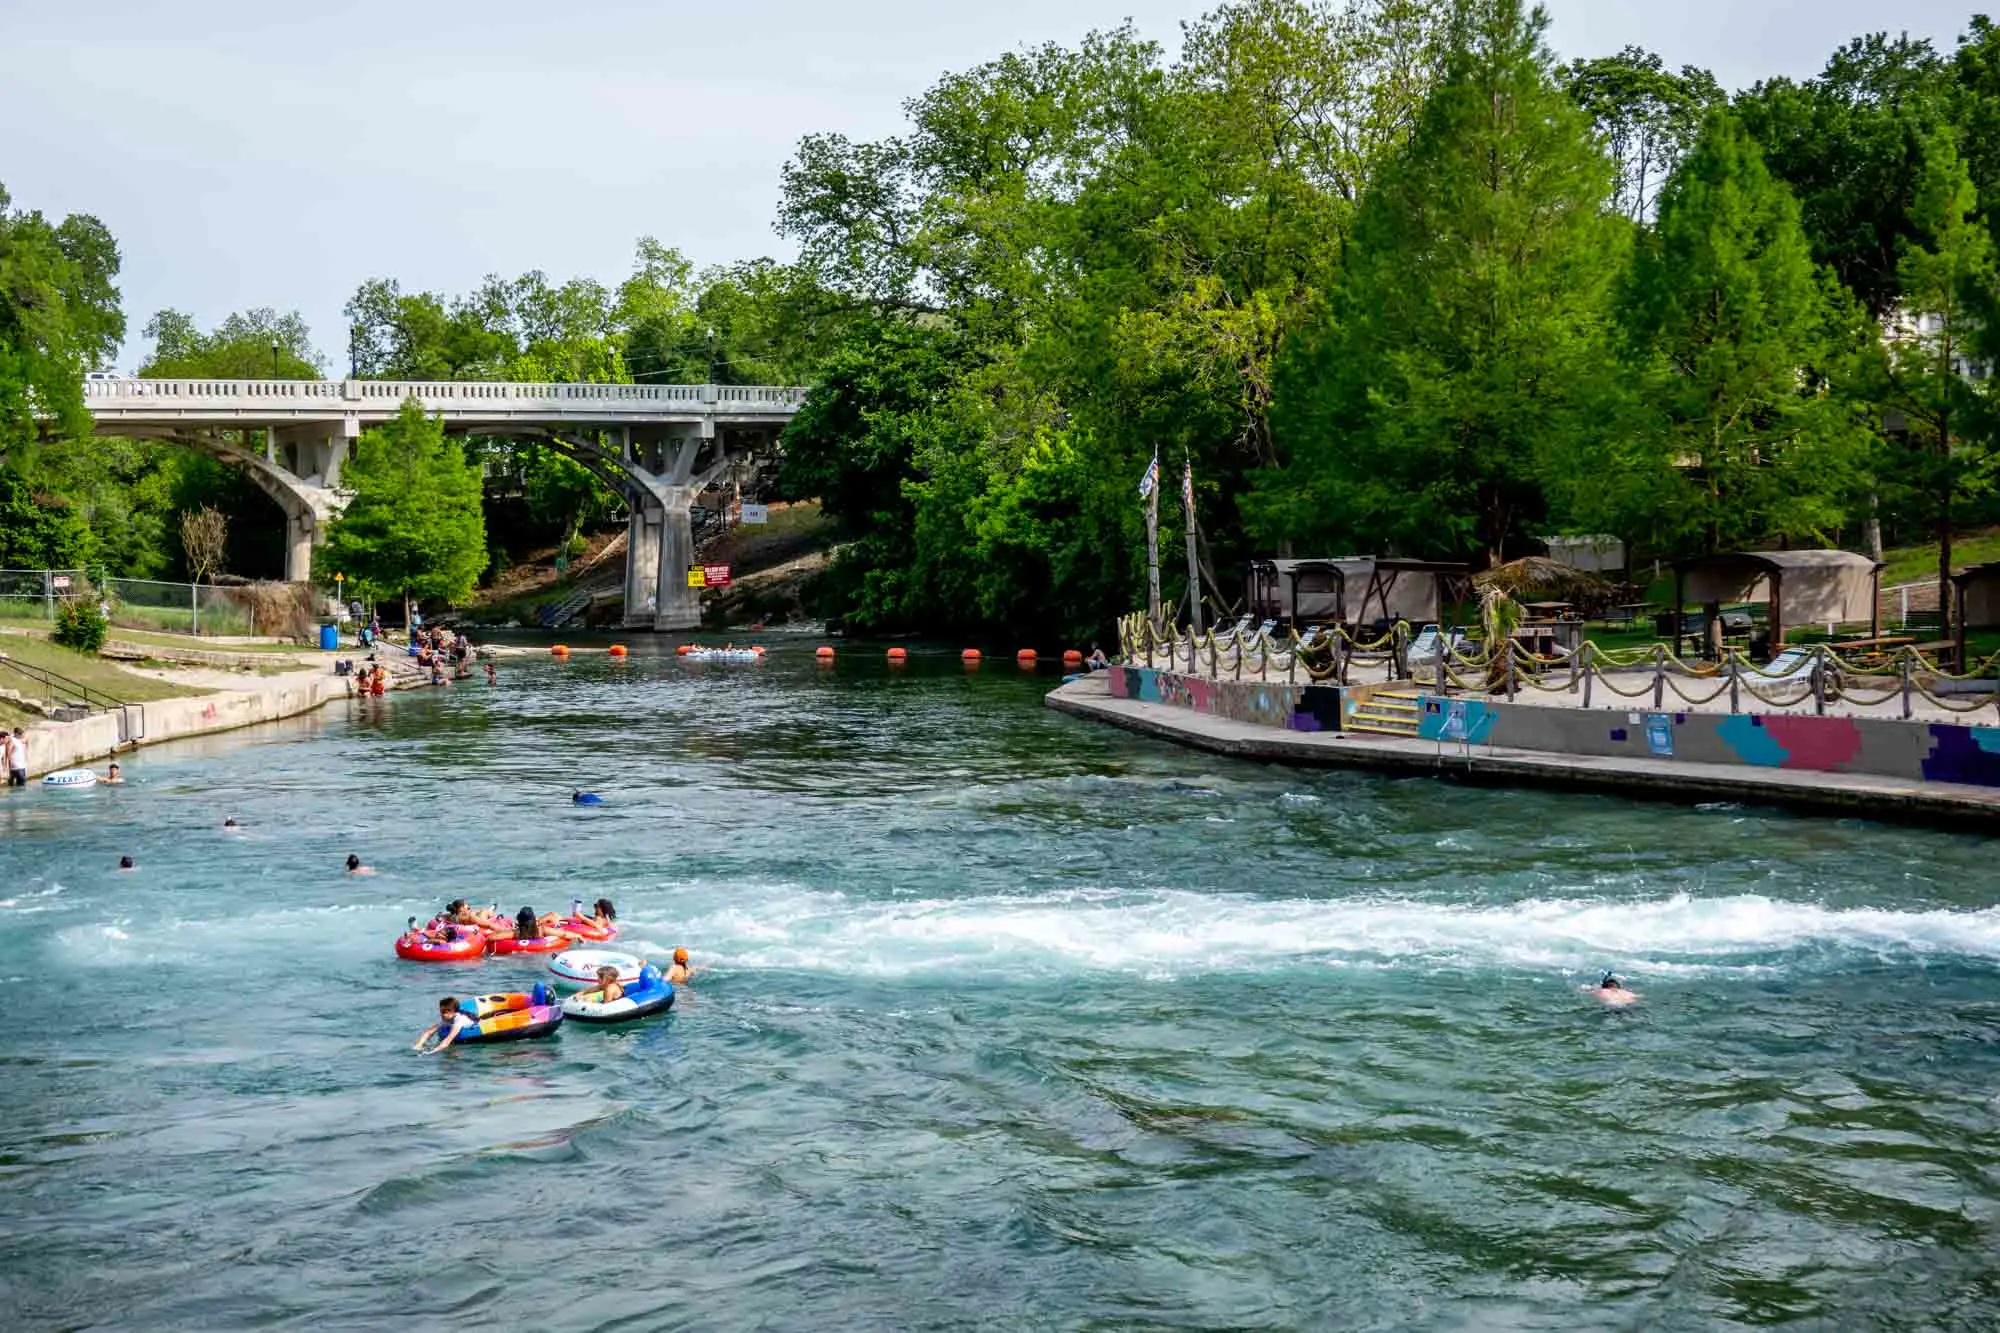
(657, 445)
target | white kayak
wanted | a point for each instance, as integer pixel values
(650, 994)
(70, 777)
(581, 965)
(723, 655)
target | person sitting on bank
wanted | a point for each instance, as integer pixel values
(1096, 661)
(452, 1020)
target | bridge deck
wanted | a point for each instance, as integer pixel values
(139, 402)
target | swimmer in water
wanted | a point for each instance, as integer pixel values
(126, 863)
(114, 776)
(452, 1020)
(679, 973)
(354, 866)
(230, 825)
(1611, 990)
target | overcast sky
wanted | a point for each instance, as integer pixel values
(251, 154)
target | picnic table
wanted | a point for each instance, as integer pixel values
(1873, 651)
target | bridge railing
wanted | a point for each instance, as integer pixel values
(139, 395)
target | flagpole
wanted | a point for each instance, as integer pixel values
(1153, 545)
(1194, 569)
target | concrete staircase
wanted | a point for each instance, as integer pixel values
(1385, 713)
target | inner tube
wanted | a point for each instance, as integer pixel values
(586, 798)
(70, 777)
(535, 1020)
(723, 655)
(506, 1002)
(650, 994)
(546, 944)
(421, 948)
(581, 965)
(588, 930)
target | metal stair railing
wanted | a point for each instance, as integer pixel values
(73, 694)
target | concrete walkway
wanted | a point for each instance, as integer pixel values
(1950, 804)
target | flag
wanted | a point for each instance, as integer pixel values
(1151, 479)
(1187, 485)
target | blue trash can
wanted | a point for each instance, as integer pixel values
(329, 637)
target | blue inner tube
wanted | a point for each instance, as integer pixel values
(651, 996)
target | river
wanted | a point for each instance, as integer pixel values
(1008, 1021)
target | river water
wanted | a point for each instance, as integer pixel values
(1009, 1021)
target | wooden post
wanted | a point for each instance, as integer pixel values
(1660, 672)
(1589, 670)
(1777, 612)
(1819, 679)
(1906, 684)
(1735, 676)
(1507, 665)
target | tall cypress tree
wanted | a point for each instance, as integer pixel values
(1467, 338)
(1738, 438)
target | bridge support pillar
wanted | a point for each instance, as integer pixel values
(302, 533)
(314, 452)
(642, 562)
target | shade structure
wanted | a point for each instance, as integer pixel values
(1355, 590)
(1800, 587)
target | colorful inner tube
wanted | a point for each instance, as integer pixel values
(421, 948)
(546, 944)
(587, 930)
(650, 994)
(581, 965)
(536, 1020)
(506, 1002)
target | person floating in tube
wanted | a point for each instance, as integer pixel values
(451, 1022)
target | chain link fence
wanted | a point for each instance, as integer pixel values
(229, 610)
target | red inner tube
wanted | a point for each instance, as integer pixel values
(587, 930)
(546, 944)
(420, 948)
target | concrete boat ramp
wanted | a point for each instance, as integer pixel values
(1959, 805)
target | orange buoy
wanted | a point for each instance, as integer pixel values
(1026, 657)
(560, 650)
(616, 650)
(899, 654)
(969, 655)
(823, 653)
(1071, 657)
(682, 651)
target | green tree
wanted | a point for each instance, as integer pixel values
(414, 527)
(1738, 438)
(255, 344)
(1468, 336)
(1850, 144)
(1646, 117)
(39, 531)
(1941, 413)
(59, 318)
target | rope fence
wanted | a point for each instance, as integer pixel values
(1900, 676)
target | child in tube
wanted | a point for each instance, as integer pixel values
(452, 1021)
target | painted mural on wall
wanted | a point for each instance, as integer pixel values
(1889, 747)
(1261, 703)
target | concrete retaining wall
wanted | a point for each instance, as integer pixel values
(1886, 747)
(1265, 703)
(58, 745)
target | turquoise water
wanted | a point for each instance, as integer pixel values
(1010, 1022)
